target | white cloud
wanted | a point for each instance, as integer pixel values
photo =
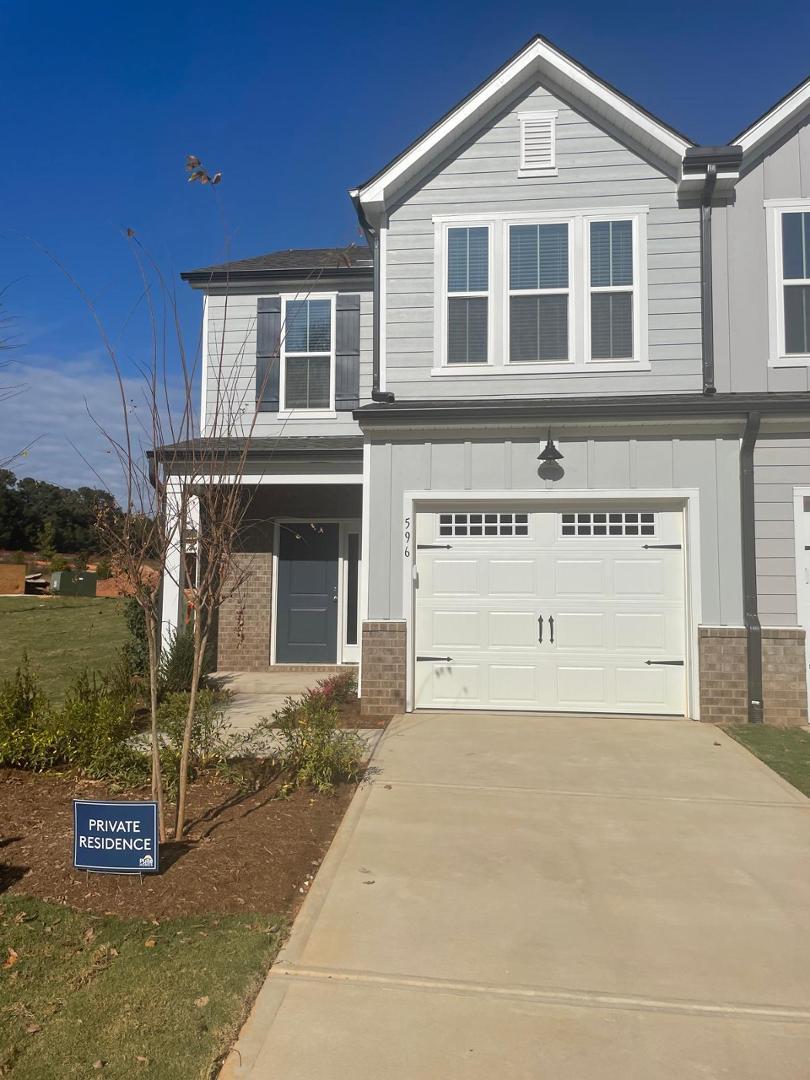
(59, 411)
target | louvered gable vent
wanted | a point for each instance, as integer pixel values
(537, 144)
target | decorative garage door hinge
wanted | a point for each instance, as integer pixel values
(446, 659)
(664, 663)
(669, 547)
(444, 547)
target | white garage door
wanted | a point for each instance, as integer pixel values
(572, 609)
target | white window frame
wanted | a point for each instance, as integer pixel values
(637, 290)
(778, 355)
(570, 292)
(546, 170)
(311, 414)
(443, 294)
(579, 270)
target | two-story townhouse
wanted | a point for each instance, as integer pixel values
(542, 446)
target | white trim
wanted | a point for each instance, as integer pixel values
(579, 361)
(802, 558)
(383, 302)
(687, 498)
(365, 536)
(756, 135)
(540, 58)
(348, 653)
(549, 117)
(204, 365)
(309, 414)
(443, 294)
(777, 355)
(170, 601)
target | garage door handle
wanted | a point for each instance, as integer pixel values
(551, 628)
(540, 629)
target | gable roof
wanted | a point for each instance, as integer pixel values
(759, 135)
(353, 260)
(540, 58)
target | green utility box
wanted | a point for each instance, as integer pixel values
(73, 583)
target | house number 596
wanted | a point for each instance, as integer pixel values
(407, 550)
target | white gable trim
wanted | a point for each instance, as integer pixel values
(759, 134)
(539, 57)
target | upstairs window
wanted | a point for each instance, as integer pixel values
(468, 295)
(538, 293)
(538, 151)
(307, 353)
(611, 289)
(796, 282)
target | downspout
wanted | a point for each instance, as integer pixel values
(373, 237)
(706, 308)
(753, 629)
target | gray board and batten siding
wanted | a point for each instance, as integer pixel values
(596, 171)
(507, 462)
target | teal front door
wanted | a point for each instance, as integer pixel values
(307, 593)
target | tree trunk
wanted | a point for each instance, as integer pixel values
(157, 777)
(200, 643)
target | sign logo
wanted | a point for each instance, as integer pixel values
(115, 837)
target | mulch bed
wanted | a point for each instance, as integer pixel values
(350, 716)
(254, 852)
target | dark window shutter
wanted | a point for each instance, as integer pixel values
(347, 352)
(268, 344)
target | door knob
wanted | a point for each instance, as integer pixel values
(334, 597)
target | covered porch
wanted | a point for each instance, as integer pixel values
(297, 568)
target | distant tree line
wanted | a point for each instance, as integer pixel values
(36, 515)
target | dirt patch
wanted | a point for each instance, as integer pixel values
(252, 852)
(350, 716)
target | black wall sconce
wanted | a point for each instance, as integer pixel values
(549, 452)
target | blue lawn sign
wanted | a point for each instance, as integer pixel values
(115, 837)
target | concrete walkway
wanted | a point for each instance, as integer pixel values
(261, 693)
(531, 897)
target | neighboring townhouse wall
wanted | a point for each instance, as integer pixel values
(595, 172)
(506, 462)
(741, 272)
(230, 343)
(780, 464)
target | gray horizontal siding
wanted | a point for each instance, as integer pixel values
(232, 366)
(501, 463)
(779, 466)
(740, 269)
(594, 171)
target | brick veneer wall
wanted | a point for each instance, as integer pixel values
(724, 672)
(243, 632)
(383, 668)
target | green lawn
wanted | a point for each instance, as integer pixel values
(785, 750)
(161, 1001)
(62, 635)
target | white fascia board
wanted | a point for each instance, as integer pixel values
(540, 56)
(759, 133)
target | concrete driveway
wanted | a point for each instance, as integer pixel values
(550, 897)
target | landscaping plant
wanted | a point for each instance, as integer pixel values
(313, 750)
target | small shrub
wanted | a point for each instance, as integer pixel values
(104, 571)
(136, 647)
(57, 563)
(313, 751)
(19, 558)
(213, 743)
(91, 731)
(336, 689)
(177, 664)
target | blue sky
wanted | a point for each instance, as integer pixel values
(294, 104)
